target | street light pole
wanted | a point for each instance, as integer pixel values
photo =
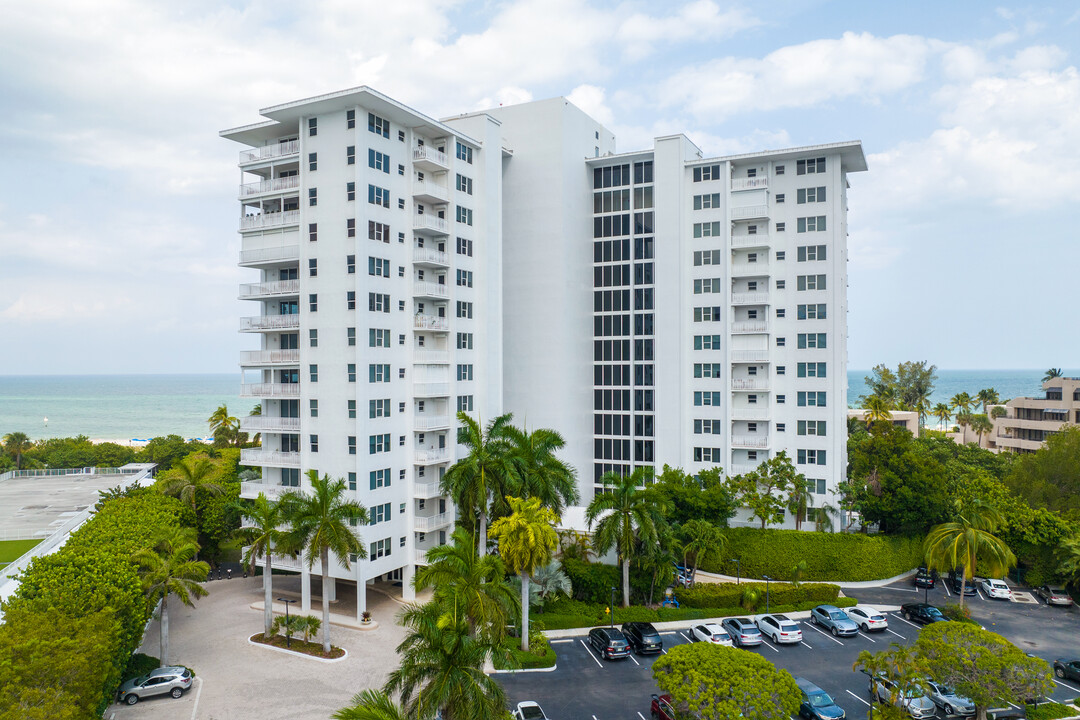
(767, 579)
(288, 627)
(611, 608)
(738, 570)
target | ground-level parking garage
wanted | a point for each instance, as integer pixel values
(585, 687)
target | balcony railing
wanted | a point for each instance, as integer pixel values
(421, 556)
(424, 155)
(749, 356)
(269, 322)
(430, 322)
(273, 185)
(251, 490)
(269, 424)
(430, 191)
(258, 221)
(281, 253)
(274, 288)
(743, 413)
(270, 357)
(431, 357)
(426, 491)
(432, 456)
(431, 223)
(433, 290)
(749, 298)
(741, 468)
(270, 390)
(431, 389)
(749, 269)
(274, 458)
(282, 562)
(269, 152)
(748, 212)
(754, 183)
(756, 240)
(749, 384)
(750, 441)
(750, 326)
(427, 256)
(432, 422)
(434, 522)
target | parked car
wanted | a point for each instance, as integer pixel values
(833, 618)
(642, 637)
(921, 613)
(996, 589)
(163, 681)
(743, 631)
(925, 578)
(710, 633)
(1054, 595)
(661, 707)
(955, 583)
(945, 698)
(529, 710)
(914, 701)
(867, 618)
(609, 642)
(816, 703)
(780, 628)
(1067, 669)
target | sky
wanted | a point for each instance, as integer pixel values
(118, 216)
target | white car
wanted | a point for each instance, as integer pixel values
(710, 633)
(996, 589)
(780, 628)
(528, 710)
(867, 618)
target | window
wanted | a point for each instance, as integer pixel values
(812, 427)
(352, 444)
(378, 196)
(314, 439)
(811, 224)
(811, 195)
(707, 172)
(379, 513)
(708, 427)
(465, 372)
(781, 284)
(780, 399)
(313, 231)
(313, 407)
(464, 152)
(350, 227)
(465, 341)
(313, 267)
(378, 160)
(464, 309)
(350, 300)
(464, 184)
(350, 123)
(379, 267)
(705, 202)
(352, 409)
(708, 285)
(378, 443)
(313, 337)
(708, 454)
(812, 369)
(708, 257)
(379, 408)
(351, 372)
(781, 370)
(350, 191)
(464, 403)
(708, 399)
(350, 335)
(378, 337)
(464, 278)
(811, 399)
(464, 215)
(350, 264)
(706, 342)
(352, 481)
(313, 196)
(378, 302)
(708, 314)
(812, 312)
(781, 227)
(811, 457)
(312, 127)
(464, 247)
(781, 254)
(707, 370)
(313, 302)
(779, 197)
(810, 253)
(379, 478)
(378, 232)
(313, 161)
(379, 548)
(810, 282)
(710, 229)
(811, 341)
(313, 373)
(378, 373)
(781, 342)
(810, 167)
(378, 125)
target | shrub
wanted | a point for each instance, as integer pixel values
(843, 557)
(592, 582)
(953, 611)
(714, 595)
(140, 664)
(1049, 711)
(540, 654)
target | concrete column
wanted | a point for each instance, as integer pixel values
(305, 589)
(361, 593)
(408, 593)
(331, 589)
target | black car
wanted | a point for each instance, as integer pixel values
(921, 613)
(1067, 669)
(609, 642)
(926, 578)
(953, 583)
(816, 703)
(642, 637)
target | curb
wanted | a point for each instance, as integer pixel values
(852, 584)
(299, 654)
(553, 668)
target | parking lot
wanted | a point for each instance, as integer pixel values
(585, 687)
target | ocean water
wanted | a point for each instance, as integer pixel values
(1008, 383)
(116, 407)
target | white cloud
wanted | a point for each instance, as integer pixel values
(639, 32)
(590, 99)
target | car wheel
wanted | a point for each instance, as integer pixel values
(907, 615)
(177, 692)
(949, 710)
(131, 699)
(834, 632)
(865, 627)
(1060, 672)
(813, 619)
(655, 715)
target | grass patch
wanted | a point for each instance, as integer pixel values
(1049, 711)
(536, 657)
(12, 550)
(313, 649)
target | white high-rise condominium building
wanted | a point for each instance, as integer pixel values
(655, 307)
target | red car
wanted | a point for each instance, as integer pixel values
(661, 708)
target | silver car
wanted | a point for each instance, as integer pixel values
(835, 619)
(945, 698)
(914, 701)
(163, 681)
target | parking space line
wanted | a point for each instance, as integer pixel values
(635, 660)
(641, 716)
(946, 590)
(684, 637)
(1063, 684)
(896, 634)
(588, 650)
(1014, 705)
(670, 632)
(905, 621)
(867, 637)
(766, 642)
(593, 717)
(979, 593)
(809, 646)
(812, 627)
(564, 640)
(856, 697)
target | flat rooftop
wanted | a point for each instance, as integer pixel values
(37, 506)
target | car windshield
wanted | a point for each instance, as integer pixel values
(789, 628)
(719, 637)
(838, 616)
(945, 690)
(141, 680)
(876, 618)
(532, 712)
(1057, 591)
(821, 699)
(933, 612)
(912, 694)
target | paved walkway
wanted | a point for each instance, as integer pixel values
(717, 578)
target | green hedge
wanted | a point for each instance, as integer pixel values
(1049, 711)
(540, 655)
(832, 557)
(714, 595)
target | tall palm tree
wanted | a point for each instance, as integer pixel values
(877, 409)
(800, 499)
(371, 705)
(659, 560)
(1052, 373)
(961, 402)
(623, 514)
(1068, 557)
(223, 426)
(922, 406)
(701, 539)
(941, 412)
(527, 541)
(189, 480)
(169, 568)
(17, 443)
(537, 472)
(981, 425)
(823, 517)
(469, 583)
(442, 668)
(262, 530)
(484, 473)
(967, 541)
(987, 396)
(321, 523)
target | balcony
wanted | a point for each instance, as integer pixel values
(429, 192)
(272, 289)
(421, 556)
(262, 221)
(432, 225)
(428, 158)
(269, 255)
(749, 212)
(749, 241)
(269, 458)
(1046, 424)
(431, 389)
(749, 269)
(432, 258)
(752, 356)
(1003, 441)
(749, 298)
(251, 490)
(758, 442)
(436, 291)
(430, 322)
(431, 422)
(267, 323)
(743, 327)
(741, 468)
(269, 424)
(744, 413)
(754, 183)
(749, 384)
(434, 522)
(431, 357)
(269, 152)
(269, 187)
(269, 358)
(283, 562)
(270, 390)
(426, 491)
(431, 456)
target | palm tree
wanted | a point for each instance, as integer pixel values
(623, 513)
(941, 412)
(701, 539)
(470, 583)
(981, 425)
(189, 478)
(961, 402)
(169, 568)
(823, 517)
(1052, 373)
(1068, 557)
(527, 541)
(549, 581)
(800, 500)
(987, 396)
(537, 472)
(17, 443)
(922, 406)
(442, 668)
(968, 540)
(998, 411)
(224, 427)
(877, 409)
(483, 473)
(659, 560)
(321, 522)
(263, 532)
(371, 705)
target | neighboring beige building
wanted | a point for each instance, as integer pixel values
(1031, 420)
(907, 419)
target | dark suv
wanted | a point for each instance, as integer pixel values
(609, 642)
(954, 582)
(921, 613)
(642, 637)
(925, 578)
